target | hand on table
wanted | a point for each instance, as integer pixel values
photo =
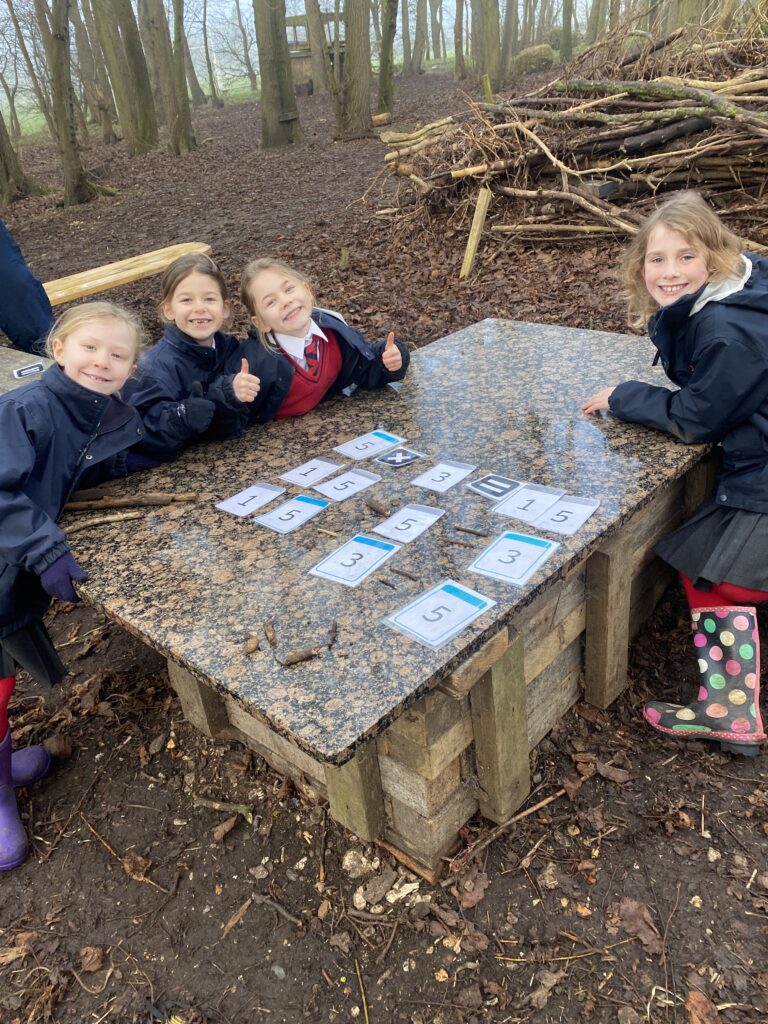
(598, 401)
(58, 578)
(391, 356)
(245, 385)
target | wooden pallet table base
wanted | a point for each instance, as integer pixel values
(464, 747)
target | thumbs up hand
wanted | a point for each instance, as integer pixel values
(391, 356)
(244, 384)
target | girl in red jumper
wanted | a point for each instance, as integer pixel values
(302, 354)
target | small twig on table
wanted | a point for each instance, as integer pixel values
(333, 633)
(470, 529)
(118, 517)
(377, 507)
(130, 501)
(301, 654)
(386, 583)
(405, 574)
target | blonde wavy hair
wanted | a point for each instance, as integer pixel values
(75, 317)
(698, 223)
(249, 275)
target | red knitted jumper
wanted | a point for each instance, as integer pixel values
(309, 387)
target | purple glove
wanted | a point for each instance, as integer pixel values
(57, 578)
(134, 461)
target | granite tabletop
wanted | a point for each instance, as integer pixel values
(195, 582)
(14, 359)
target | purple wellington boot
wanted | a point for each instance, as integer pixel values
(14, 846)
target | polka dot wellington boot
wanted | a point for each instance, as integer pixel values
(727, 709)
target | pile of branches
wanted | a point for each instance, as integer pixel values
(589, 152)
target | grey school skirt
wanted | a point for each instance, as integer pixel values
(720, 545)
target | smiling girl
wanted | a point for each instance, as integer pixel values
(708, 308)
(68, 428)
(193, 384)
(303, 354)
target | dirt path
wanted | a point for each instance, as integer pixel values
(641, 896)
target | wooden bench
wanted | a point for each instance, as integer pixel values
(407, 743)
(112, 275)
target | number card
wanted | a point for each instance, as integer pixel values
(443, 476)
(567, 515)
(398, 457)
(493, 486)
(439, 614)
(513, 557)
(310, 472)
(409, 522)
(353, 561)
(292, 514)
(347, 484)
(528, 502)
(250, 499)
(368, 445)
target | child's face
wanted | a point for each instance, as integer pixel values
(672, 266)
(282, 304)
(197, 307)
(99, 355)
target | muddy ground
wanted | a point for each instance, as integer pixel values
(640, 895)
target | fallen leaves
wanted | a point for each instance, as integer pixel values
(635, 918)
(701, 1010)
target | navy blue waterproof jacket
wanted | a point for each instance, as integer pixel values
(718, 358)
(56, 435)
(361, 365)
(163, 382)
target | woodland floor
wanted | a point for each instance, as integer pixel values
(642, 897)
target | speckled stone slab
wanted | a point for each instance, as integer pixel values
(13, 359)
(195, 582)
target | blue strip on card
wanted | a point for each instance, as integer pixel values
(373, 543)
(528, 540)
(383, 436)
(310, 501)
(477, 602)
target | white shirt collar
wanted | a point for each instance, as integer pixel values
(722, 289)
(294, 347)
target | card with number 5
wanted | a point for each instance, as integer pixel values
(567, 515)
(439, 614)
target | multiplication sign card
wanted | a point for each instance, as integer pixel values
(353, 561)
(527, 503)
(409, 522)
(346, 484)
(368, 445)
(310, 472)
(439, 614)
(513, 557)
(292, 514)
(444, 475)
(247, 501)
(567, 514)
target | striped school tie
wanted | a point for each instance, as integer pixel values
(311, 356)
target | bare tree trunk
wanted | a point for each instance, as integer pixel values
(102, 84)
(124, 56)
(487, 46)
(183, 133)
(459, 67)
(356, 79)
(566, 37)
(318, 45)
(53, 23)
(216, 100)
(14, 184)
(253, 78)
(279, 116)
(386, 76)
(376, 23)
(199, 98)
(10, 96)
(595, 21)
(420, 36)
(86, 68)
(180, 138)
(43, 101)
(407, 51)
(435, 15)
(148, 30)
(509, 37)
